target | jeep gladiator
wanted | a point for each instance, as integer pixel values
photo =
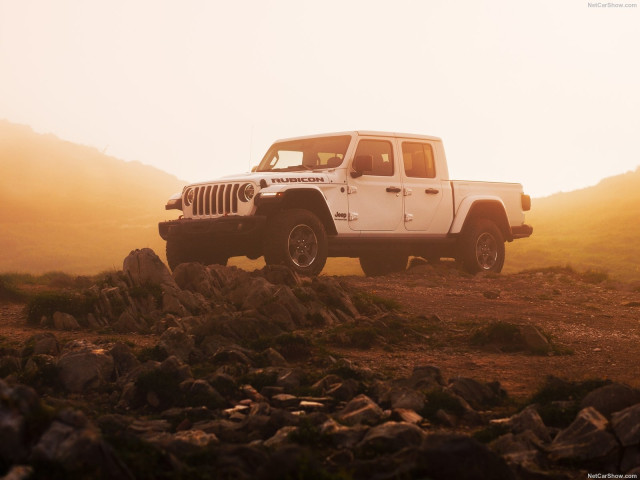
(377, 196)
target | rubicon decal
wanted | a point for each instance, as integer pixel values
(298, 180)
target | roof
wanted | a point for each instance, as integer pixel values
(365, 133)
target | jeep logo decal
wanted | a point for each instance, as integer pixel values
(298, 180)
(340, 216)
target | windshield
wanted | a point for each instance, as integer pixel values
(308, 154)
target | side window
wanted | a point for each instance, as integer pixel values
(382, 155)
(418, 160)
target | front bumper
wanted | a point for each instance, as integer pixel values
(522, 231)
(223, 227)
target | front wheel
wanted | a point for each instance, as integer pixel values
(482, 247)
(297, 239)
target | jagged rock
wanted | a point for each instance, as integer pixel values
(252, 294)
(280, 275)
(111, 303)
(284, 400)
(527, 420)
(123, 358)
(611, 398)
(231, 354)
(390, 437)
(523, 451)
(64, 321)
(280, 438)
(176, 342)
(360, 410)
(274, 358)
(325, 383)
(478, 395)
(341, 436)
(9, 364)
(290, 378)
(333, 294)
(19, 472)
(534, 341)
(630, 459)
(586, 438)
(81, 370)
(200, 392)
(13, 432)
(183, 443)
(426, 376)
(626, 425)
(402, 397)
(78, 450)
(143, 267)
(285, 298)
(459, 457)
(345, 390)
(43, 344)
(406, 415)
(129, 322)
(174, 366)
(171, 304)
(195, 277)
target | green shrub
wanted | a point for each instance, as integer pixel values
(47, 303)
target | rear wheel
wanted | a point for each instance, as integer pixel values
(180, 251)
(482, 247)
(296, 238)
(382, 263)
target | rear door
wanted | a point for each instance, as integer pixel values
(375, 198)
(422, 189)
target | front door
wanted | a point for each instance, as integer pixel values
(375, 198)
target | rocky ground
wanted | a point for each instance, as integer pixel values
(213, 372)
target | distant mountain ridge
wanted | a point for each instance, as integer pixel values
(65, 206)
(592, 228)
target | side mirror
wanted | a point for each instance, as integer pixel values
(361, 164)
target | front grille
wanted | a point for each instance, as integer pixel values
(213, 200)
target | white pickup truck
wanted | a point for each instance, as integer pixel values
(377, 196)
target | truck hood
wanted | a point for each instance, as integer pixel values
(279, 178)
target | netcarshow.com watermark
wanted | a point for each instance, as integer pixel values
(611, 475)
(611, 5)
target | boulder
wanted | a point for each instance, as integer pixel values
(401, 397)
(586, 439)
(611, 398)
(123, 358)
(143, 267)
(280, 438)
(478, 395)
(425, 377)
(360, 410)
(64, 321)
(527, 420)
(196, 278)
(82, 370)
(626, 425)
(390, 437)
(129, 322)
(533, 340)
(460, 457)
(341, 436)
(176, 342)
(44, 344)
(78, 450)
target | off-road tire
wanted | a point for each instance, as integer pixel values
(297, 239)
(180, 250)
(481, 247)
(383, 263)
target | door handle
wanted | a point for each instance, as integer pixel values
(432, 191)
(394, 189)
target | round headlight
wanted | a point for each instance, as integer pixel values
(246, 192)
(188, 196)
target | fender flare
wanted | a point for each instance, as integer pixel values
(487, 206)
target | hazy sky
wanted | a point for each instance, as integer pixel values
(542, 92)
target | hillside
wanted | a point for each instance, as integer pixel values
(214, 372)
(592, 228)
(69, 207)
